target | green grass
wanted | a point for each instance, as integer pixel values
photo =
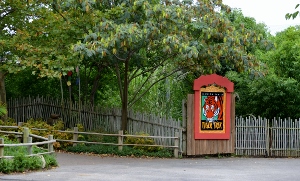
(21, 162)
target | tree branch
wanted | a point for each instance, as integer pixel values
(150, 69)
(136, 97)
(123, 59)
(54, 8)
(5, 13)
(117, 69)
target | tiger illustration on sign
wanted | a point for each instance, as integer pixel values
(213, 107)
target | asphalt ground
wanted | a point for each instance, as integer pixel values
(85, 168)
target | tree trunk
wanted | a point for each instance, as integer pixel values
(95, 86)
(124, 118)
(2, 88)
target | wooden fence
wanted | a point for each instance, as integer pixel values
(27, 141)
(94, 118)
(253, 136)
(263, 137)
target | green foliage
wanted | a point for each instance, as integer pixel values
(292, 15)
(98, 138)
(50, 161)
(20, 162)
(129, 150)
(270, 96)
(6, 166)
(26, 84)
(285, 59)
(275, 94)
(3, 109)
(49, 130)
(8, 122)
(34, 42)
(113, 150)
(142, 141)
(153, 40)
(164, 98)
(127, 46)
(138, 151)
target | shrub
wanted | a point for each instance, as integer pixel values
(8, 122)
(113, 150)
(49, 130)
(50, 161)
(6, 165)
(20, 162)
(142, 141)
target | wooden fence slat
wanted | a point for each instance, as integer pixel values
(253, 136)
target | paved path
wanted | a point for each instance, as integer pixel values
(86, 168)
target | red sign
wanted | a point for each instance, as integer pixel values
(212, 107)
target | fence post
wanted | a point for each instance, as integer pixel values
(267, 129)
(29, 148)
(176, 150)
(25, 134)
(50, 145)
(1, 147)
(184, 122)
(75, 135)
(19, 137)
(120, 140)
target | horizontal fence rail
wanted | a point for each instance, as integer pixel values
(75, 140)
(94, 118)
(47, 141)
(255, 136)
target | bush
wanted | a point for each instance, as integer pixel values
(8, 122)
(270, 96)
(6, 165)
(134, 150)
(142, 141)
(113, 150)
(50, 161)
(20, 162)
(98, 138)
(49, 130)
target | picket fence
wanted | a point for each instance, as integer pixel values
(255, 136)
(94, 118)
(262, 137)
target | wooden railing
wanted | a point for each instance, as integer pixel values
(76, 134)
(120, 143)
(27, 141)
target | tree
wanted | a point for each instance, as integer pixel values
(276, 94)
(286, 57)
(270, 96)
(150, 40)
(136, 39)
(156, 39)
(24, 84)
(30, 38)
